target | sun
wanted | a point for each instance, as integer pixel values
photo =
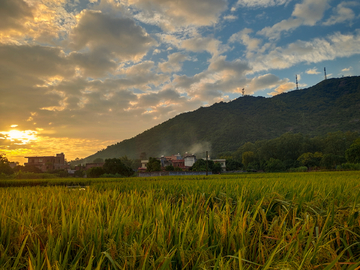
(21, 137)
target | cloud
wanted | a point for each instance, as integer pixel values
(94, 64)
(346, 69)
(285, 87)
(243, 37)
(196, 43)
(199, 44)
(313, 51)
(230, 17)
(221, 77)
(261, 3)
(306, 13)
(313, 71)
(269, 81)
(170, 15)
(14, 14)
(174, 63)
(310, 11)
(120, 37)
(341, 14)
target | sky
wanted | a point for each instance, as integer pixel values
(79, 75)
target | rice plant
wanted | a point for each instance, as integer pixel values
(246, 221)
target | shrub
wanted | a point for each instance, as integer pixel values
(350, 166)
(274, 165)
(95, 172)
(169, 168)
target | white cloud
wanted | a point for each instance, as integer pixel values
(174, 63)
(313, 71)
(309, 12)
(342, 13)
(313, 51)
(196, 43)
(230, 17)
(243, 37)
(170, 15)
(346, 69)
(284, 87)
(262, 3)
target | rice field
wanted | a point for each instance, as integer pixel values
(245, 221)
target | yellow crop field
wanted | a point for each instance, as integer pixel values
(243, 221)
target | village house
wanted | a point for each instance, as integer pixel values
(48, 163)
(92, 165)
(178, 162)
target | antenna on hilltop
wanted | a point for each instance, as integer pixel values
(297, 83)
(243, 92)
(325, 73)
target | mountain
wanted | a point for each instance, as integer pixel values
(331, 105)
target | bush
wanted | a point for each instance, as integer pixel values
(274, 165)
(169, 168)
(95, 172)
(350, 166)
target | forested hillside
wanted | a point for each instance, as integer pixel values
(331, 105)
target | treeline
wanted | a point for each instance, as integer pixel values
(297, 152)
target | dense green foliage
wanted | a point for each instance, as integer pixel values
(249, 221)
(202, 165)
(293, 150)
(116, 166)
(153, 165)
(5, 166)
(353, 153)
(329, 106)
(95, 172)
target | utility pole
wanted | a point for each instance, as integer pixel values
(207, 167)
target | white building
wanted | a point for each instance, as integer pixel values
(189, 160)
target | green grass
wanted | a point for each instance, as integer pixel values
(247, 221)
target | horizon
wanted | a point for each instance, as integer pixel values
(78, 76)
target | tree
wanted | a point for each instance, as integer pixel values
(95, 172)
(116, 166)
(233, 165)
(200, 165)
(169, 168)
(353, 153)
(329, 161)
(274, 165)
(310, 159)
(79, 173)
(216, 168)
(5, 166)
(247, 158)
(98, 160)
(153, 165)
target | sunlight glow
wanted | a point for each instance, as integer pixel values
(21, 137)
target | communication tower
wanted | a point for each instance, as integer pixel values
(325, 73)
(243, 92)
(297, 83)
